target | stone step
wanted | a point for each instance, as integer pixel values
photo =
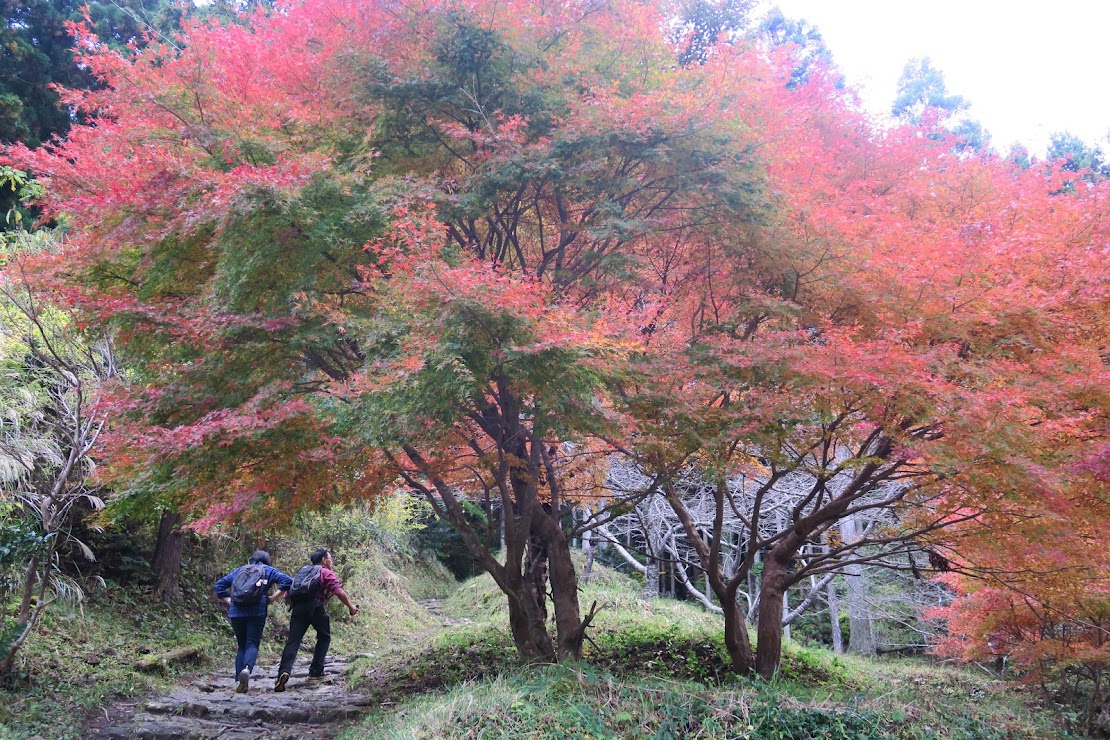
(210, 708)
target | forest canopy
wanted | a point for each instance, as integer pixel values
(490, 251)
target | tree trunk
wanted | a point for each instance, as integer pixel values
(535, 571)
(768, 649)
(7, 662)
(834, 618)
(737, 642)
(570, 630)
(29, 580)
(501, 523)
(653, 548)
(651, 579)
(861, 641)
(167, 557)
(786, 610)
(530, 636)
(589, 549)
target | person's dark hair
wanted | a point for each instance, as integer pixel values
(261, 556)
(318, 556)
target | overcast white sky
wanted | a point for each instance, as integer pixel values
(1029, 68)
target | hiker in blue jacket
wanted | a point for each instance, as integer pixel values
(246, 591)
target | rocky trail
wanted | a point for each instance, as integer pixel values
(207, 707)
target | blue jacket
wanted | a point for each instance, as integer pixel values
(273, 575)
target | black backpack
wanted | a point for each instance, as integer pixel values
(306, 584)
(249, 584)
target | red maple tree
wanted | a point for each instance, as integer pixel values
(348, 245)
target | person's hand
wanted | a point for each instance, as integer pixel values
(226, 600)
(276, 596)
(353, 610)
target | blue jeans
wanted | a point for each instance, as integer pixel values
(248, 634)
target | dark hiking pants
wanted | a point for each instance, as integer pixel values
(304, 614)
(248, 635)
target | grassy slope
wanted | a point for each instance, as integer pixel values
(653, 669)
(385, 583)
(656, 670)
(78, 663)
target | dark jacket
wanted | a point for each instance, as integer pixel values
(273, 575)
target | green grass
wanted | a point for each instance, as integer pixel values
(384, 578)
(658, 669)
(76, 663)
(652, 669)
(950, 699)
(580, 701)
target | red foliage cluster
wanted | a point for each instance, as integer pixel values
(724, 250)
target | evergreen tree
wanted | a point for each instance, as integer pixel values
(1079, 155)
(36, 53)
(922, 88)
(809, 45)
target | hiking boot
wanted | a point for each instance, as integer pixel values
(315, 678)
(244, 681)
(281, 681)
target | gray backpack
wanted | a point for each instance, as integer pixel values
(306, 584)
(249, 584)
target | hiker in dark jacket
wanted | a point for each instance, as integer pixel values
(311, 611)
(247, 610)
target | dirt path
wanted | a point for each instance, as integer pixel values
(435, 608)
(207, 707)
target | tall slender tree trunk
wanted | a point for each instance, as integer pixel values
(589, 548)
(861, 640)
(653, 565)
(834, 617)
(786, 610)
(167, 557)
(502, 527)
(651, 579)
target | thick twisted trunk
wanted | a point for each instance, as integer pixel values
(529, 630)
(737, 642)
(548, 560)
(569, 626)
(768, 649)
